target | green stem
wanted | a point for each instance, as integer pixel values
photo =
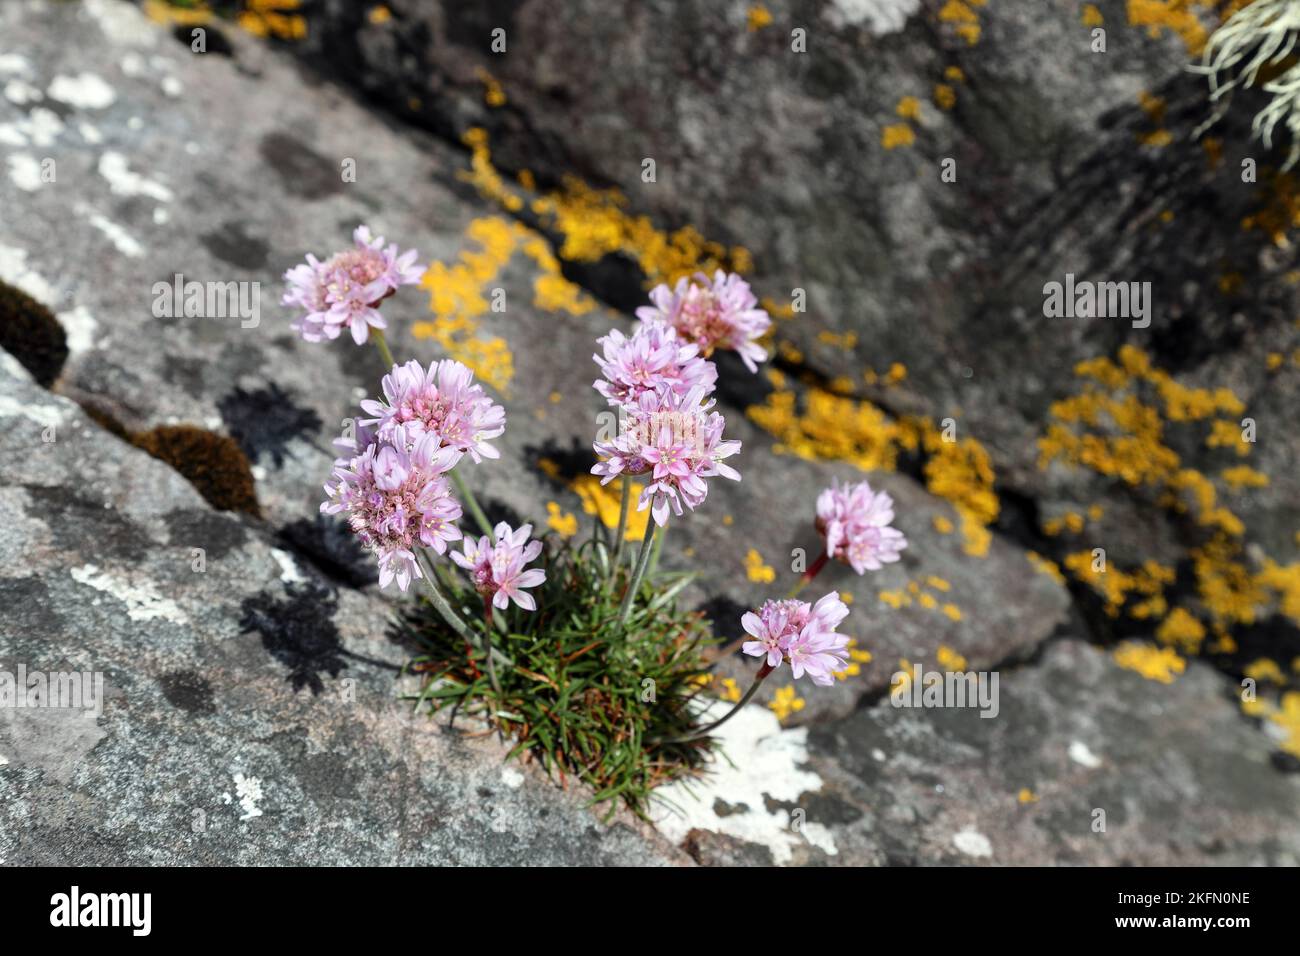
(382, 344)
(622, 523)
(443, 607)
(702, 731)
(487, 647)
(642, 562)
(471, 503)
(654, 555)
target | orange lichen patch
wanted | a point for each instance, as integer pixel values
(949, 659)
(945, 96)
(840, 340)
(786, 702)
(379, 15)
(604, 502)
(942, 524)
(1227, 589)
(1243, 476)
(1045, 566)
(1144, 586)
(897, 135)
(1091, 16)
(909, 108)
(1176, 16)
(161, 11)
(756, 570)
(563, 523)
(274, 18)
(1279, 210)
(1182, 631)
(1026, 796)
(1154, 663)
(730, 690)
(895, 599)
(1225, 433)
(1264, 670)
(757, 17)
(962, 14)
(954, 74)
(493, 94)
(1283, 581)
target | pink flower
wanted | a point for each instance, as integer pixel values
(498, 570)
(396, 498)
(444, 402)
(653, 357)
(677, 440)
(802, 634)
(855, 522)
(346, 289)
(718, 314)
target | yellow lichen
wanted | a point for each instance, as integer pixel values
(1154, 663)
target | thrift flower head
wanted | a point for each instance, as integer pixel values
(802, 634)
(498, 570)
(653, 357)
(718, 314)
(345, 290)
(444, 402)
(677, 440)
(855, 521)
(396, 498)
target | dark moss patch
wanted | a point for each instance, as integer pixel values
(266, 420)
(31, 334)
(214, 464)
(189, 691)
(106, 421)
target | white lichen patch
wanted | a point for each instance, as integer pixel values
(289, 572)
(122, 181)
(143, 602)
(766, 762)
(85, 91)
(878, 16)
(25, 172)
(80, 326)
(122, 241)
(121, 22)
(20, 93)
(973, 843)
(249, 791)
(1081, 755)
(43, 415)
(14, 270)
(512, 778)
(14, 64)
(40, 128)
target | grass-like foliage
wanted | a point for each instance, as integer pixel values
(588, 698)
(1257, 46)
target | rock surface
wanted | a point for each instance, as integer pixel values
(227, 167)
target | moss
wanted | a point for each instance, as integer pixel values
(30, 332)
(214, 464)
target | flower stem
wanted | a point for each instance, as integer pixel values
(622, 524)
(808, 575)
(441, 605)
(488, 651)
(471, 503)
(382, 344)
(642, 562)
(702, 731)
(659, 545)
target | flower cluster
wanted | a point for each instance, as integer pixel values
(444, 401)
(651, 359)
(677, 440)
(722, 313)
(497, 570)
(345, 290)
(802, 634)
(396, 497)
(856, 523)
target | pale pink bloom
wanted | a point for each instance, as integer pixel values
(676, 440)
(718, 314)
(497, 571)
(653, 357)
(444, 401)
(396, 498)
(345, 290)
(801, 634)
(856, 523)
